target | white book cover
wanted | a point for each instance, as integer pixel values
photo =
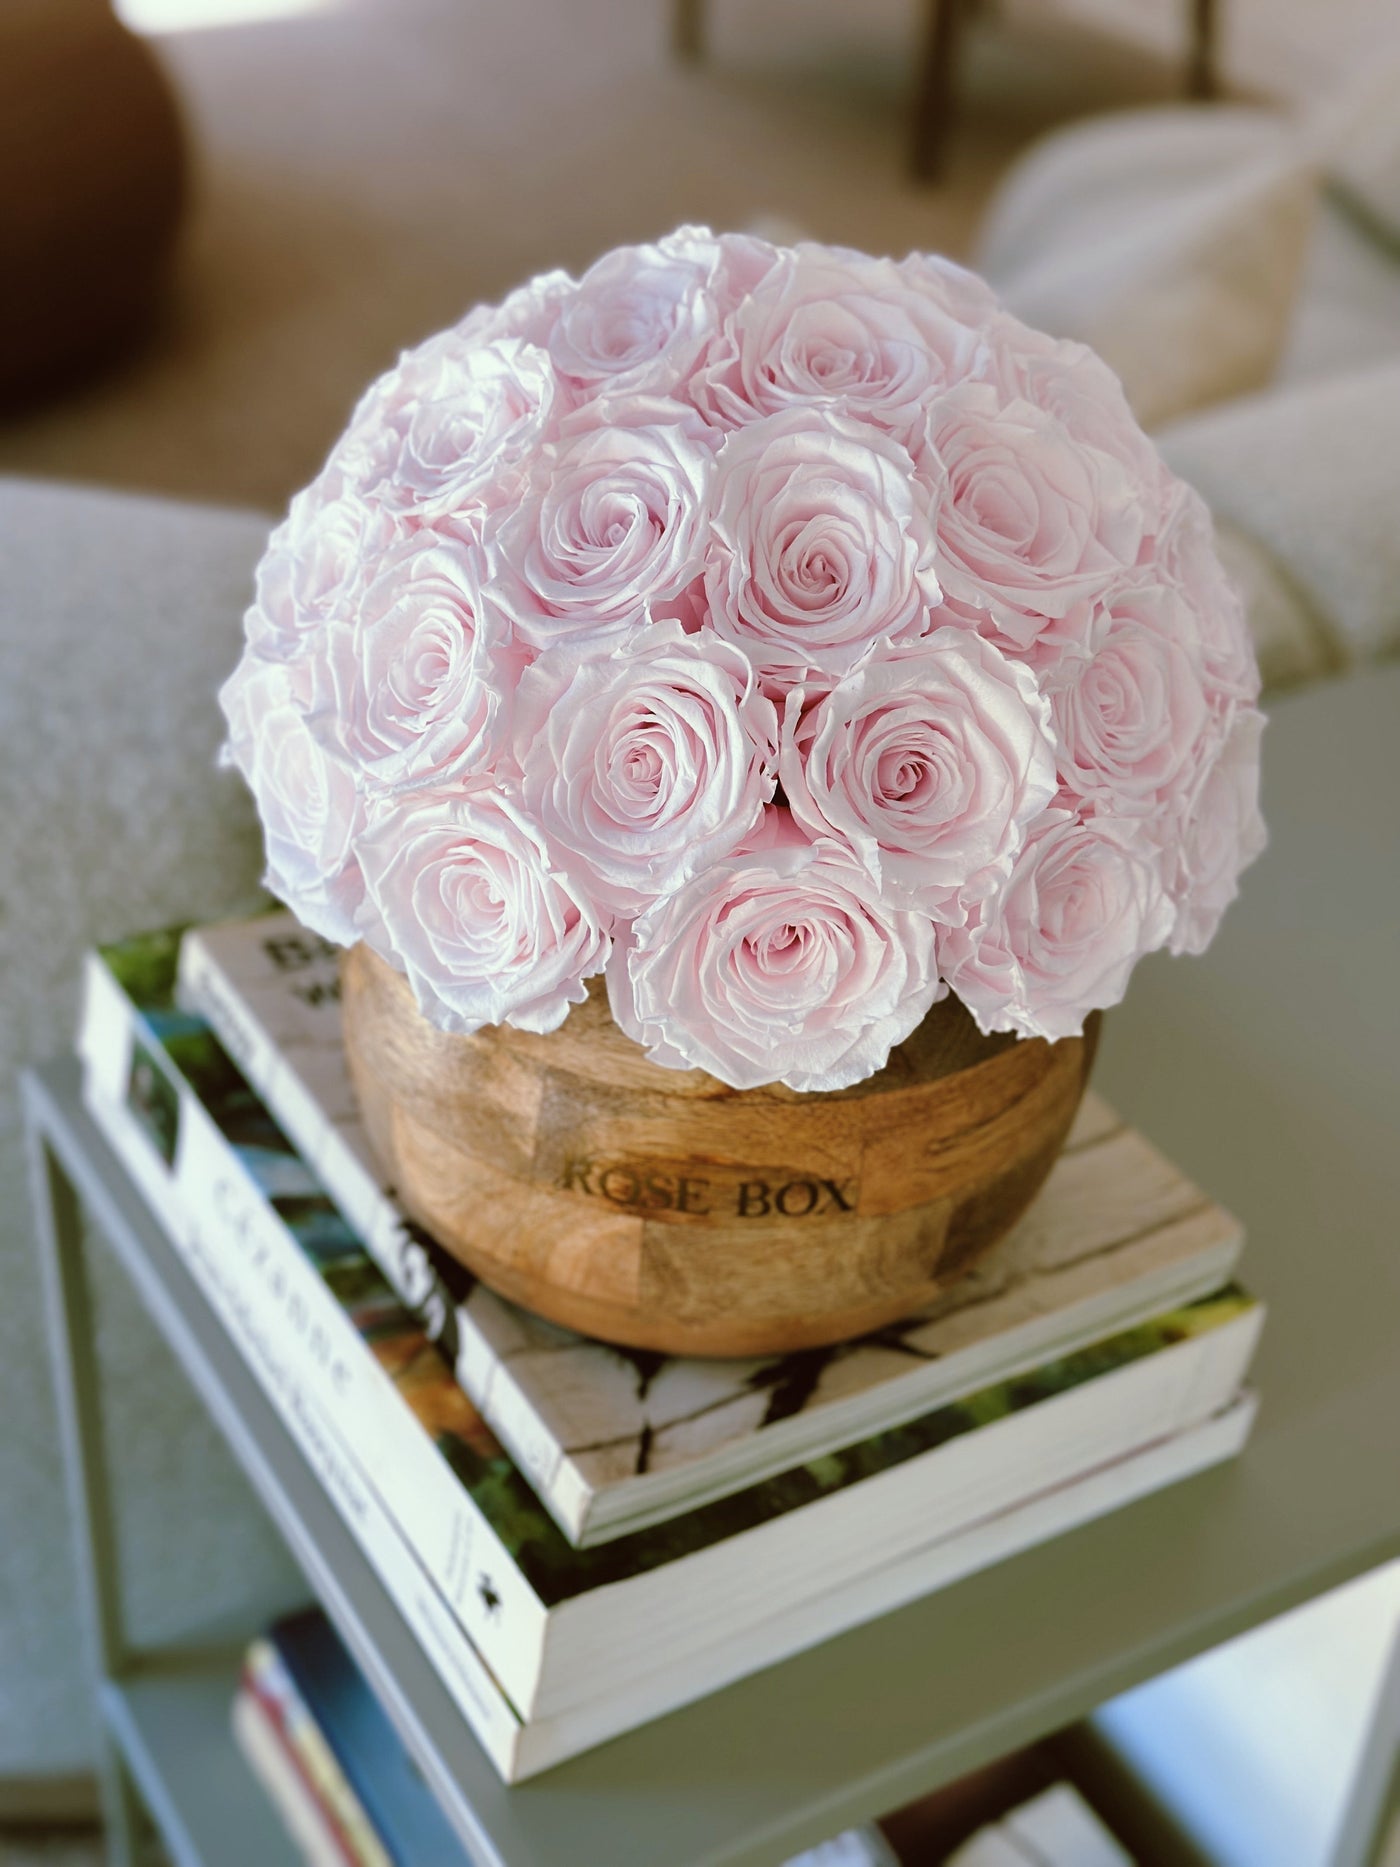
(613, 1440)
(559, 1625)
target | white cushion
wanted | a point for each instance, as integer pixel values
(1357, 133)
(1312, 473)
(118, 616)
(1126, 164)
(1348, 309)
(1171, 241)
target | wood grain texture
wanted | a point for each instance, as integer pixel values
(662, 1209)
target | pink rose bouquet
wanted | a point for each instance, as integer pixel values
(791, 636)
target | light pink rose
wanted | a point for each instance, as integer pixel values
(822, 544)
(529, 313)
(639, 319)
(420, 679)
(1061, 937)
(833, 332)
(1186, 557)
(783, 965)
(1033, 526)
(1075, 385)
(316, 566)
(608, 412)
(644, 760)
(471, 907)
(307, 801)
(951, 287)
(739, 261)
(1131, 717)
(930, 762)
(445, 432)
(1222, 834)
(616, 525)
(801, 615)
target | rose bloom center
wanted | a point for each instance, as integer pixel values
(1002, 504)
(815, 574)
(905, 777)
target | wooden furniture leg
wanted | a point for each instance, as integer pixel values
(1202, 79)
(688, 30)
(933, 96)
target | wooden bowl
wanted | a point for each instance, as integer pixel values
(664, 1210)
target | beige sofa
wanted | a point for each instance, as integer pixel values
(118, 617)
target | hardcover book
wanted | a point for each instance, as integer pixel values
(573, 1637)
(343, 1744)
(307, 1821)
(613, 1440)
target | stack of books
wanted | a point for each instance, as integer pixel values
(332, 1764)
(583, 1538)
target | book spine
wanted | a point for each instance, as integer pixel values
(302, 1814)
(262, 1265)
(305, 1743)
(308, 1754)
(415, 1272)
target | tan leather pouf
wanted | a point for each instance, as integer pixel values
(91, 182)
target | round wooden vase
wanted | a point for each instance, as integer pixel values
(664, 1210)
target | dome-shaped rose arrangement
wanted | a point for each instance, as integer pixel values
(792, 636)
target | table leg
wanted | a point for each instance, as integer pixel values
(72, 1352)
(933, 94)
(1201, 76)
(1373, 1801)
(688, 30)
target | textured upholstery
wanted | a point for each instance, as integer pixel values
(1126, 165)
(117, 617)
(1358, 131)
(1171, 241)
(1311, 472)
(1348, 307)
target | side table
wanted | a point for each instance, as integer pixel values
(1240, 1064)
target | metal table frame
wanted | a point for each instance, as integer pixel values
(751, 1774)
